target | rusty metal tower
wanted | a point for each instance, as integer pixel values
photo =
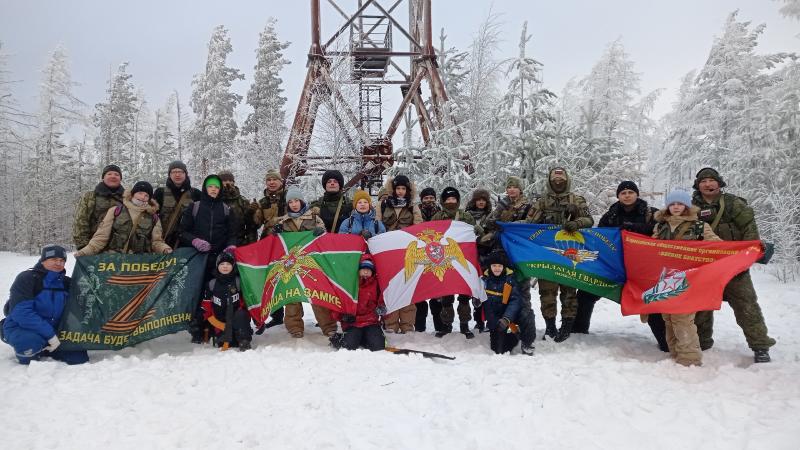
(378, 41)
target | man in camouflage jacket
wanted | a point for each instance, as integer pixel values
(559, 206)
(732, 220)
(93, 205)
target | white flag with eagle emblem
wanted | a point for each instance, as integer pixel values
(427, 260)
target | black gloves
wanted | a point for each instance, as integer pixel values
(502, 324)
(380, 311)
(277, 228)
(366, 234)
(318, 231)
(571, 226)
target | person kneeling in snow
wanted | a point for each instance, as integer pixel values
(502, 305)
(224, 310)
(38, 298)
(363, 329)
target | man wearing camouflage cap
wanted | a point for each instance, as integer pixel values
(732, 220)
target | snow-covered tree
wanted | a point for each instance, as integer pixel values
(115, 120)
(614, 122)
(50, 186)
(790, 8)
(740, 115)
(525, 115)
(213, 103)
(14, 123)
(265, 128)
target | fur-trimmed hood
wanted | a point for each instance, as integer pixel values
(411, 194)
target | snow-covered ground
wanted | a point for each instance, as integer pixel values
(610, 389)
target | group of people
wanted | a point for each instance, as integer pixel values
(216, 218)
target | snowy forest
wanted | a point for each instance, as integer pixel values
(740, 113)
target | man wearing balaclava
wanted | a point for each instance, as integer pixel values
(559, 206)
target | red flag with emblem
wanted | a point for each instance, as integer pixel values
(427, 260)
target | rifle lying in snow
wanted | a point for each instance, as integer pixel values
(407, 351)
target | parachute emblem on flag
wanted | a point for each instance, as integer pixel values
(436, 258)
(570, 246)
(671, 283)
(291, 264)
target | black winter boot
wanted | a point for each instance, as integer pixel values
(761, 356)
(583, 317)
(244, 345)
(445, 330)
(659, 329)
(550, 328)
(565, 330)
(465, 331)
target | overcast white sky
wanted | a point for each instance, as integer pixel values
(165, 41)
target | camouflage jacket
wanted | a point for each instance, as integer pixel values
(458, 215)
(172, 200)
(91, 209)
(240, 207)
(737, 222)
(271, 207)
(327, 206)
(507, 211)
(560, 208)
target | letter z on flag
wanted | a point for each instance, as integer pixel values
(427, 260)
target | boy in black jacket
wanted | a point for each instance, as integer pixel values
(224, 310)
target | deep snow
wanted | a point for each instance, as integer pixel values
(610, 389)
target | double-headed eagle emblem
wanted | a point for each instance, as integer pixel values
(296, 262)
(435, 257)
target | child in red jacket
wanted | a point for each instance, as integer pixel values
(363, 329)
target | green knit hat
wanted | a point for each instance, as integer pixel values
(513, 181)
(273, 173)
(212, 180)
(707, 172)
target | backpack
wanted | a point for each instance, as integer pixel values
(196, 207)
(213, 282)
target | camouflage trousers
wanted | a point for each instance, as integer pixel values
(742, 298)
(447, 315)
(547, 295)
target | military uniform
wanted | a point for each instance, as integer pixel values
(446, 314)
(172, 200)
(270, 208)
(240, 207)
(736, 223)
(558, 208)
(328, 205)
(91, 209)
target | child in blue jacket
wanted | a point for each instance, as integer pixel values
(503, 303)
(362, 220)
(33, 311)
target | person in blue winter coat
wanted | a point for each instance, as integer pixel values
(33, 311)
(503, 304)
(362, 220)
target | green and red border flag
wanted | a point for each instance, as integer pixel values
(681, 277)
(427, 260)
(299, 267)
